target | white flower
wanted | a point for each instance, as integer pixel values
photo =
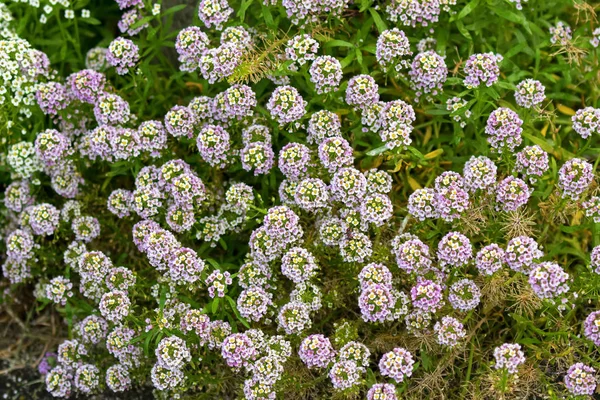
(69, 14)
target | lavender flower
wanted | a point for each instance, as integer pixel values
(454, 250)
(323, 125)
(375, 274)
(114, 306)
(299, 265)
(180, 122)
(397, 364)
(382, 391)
(422, 203)
(214, 13)
(257, 156)
(561, 34)
(482, 68)
(464, 295)
(362, 91)
(326, 74)
(548, 280)
(490, 259)
(52, 97)
(504, 129)
(449, 331)
(356, 247)
(479, 173)
(294, 318)
(426, 295)
(122, 54)
(376, 303)
(428, 73)
(117, 378)
(300, 49)
(532, 163)
(592, 327)
(586, 121)
(512, 193)
(316, 351)
(574, 178)
(87, 85)
(392, 47)
(509, 356)
(253, 303)
(286, 105)
(213, 144)
(345, 374)
(580, 380)
(59, 382)
(530, 93)
(172, 353)
(87, 378)
(190, 44)
(395, 121)
(413, 12)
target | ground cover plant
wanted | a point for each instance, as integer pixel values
(303, 199)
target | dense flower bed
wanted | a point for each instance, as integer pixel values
(305, 199)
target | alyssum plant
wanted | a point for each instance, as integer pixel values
(317, 199)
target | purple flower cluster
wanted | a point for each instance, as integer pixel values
(454, 250)
(521, 252)
(512, 193)
(122, 54)
(253, 303)
(190, 44)
(286, 105)
(214, 13)
(392, 47)
(316, 351)
(504, 129)
(580, 380)
(479, 173)
(300, 49)
(397, 364)
(413, 12)
(464, 295)
(382, 391)
(574, 178)
(421, 204)
(489, 259)
(427, 296)
(548, 280)
(530, 93)
(482, 68)
(376, 302)
(449, 331)
(395, 121)
(362, 91)
(591, 327)
(294, 317)
(532, 163)
(509, 356)
(413, 256)
(586, 121)
(428, 73)
(326, 74)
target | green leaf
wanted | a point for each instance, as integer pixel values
(174, 9)
(467, 9)
(243, 7)
(381, 25)
(215, 305)
(510, 15)
(338, 43)
(463, 31)
(377, 151)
